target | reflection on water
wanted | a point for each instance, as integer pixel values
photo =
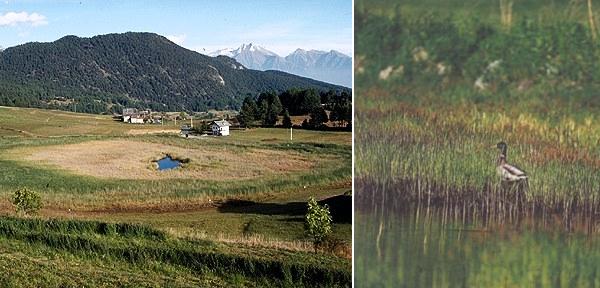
(440, 247)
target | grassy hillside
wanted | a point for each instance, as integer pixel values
(437, 89)
(220, 203)
(123, 253)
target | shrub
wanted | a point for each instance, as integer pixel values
(317, 222)
(27, 201)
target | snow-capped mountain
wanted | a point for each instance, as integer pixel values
(221, 52)
(250, 55)
(333, 67)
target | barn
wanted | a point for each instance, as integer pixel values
(220, 128)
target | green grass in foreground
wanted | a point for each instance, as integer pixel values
(104, 248)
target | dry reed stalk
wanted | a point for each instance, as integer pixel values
(506, 13)
(591, 19)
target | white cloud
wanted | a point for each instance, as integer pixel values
(15, 18)
(177, 39)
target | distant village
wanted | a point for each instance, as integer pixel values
(210, 123)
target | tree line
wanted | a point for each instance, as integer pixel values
(268, 106)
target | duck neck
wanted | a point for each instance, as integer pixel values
(501, 160)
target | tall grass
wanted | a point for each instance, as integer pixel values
(436, 92)
(139, 244)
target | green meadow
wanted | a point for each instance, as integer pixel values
(197, 226)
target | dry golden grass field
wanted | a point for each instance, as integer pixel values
(133, 159)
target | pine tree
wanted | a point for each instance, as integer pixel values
(248, 112)
(318, 117)
(287, 121)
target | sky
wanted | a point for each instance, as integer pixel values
(281, 26)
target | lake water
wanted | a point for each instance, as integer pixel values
(168, 163)
(425, 248)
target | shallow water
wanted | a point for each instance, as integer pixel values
(424, 249)
(168, 163)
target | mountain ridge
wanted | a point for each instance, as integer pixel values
(328, 66)
(133, 69)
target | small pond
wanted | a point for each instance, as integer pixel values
(167, 163)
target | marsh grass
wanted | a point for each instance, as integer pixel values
(425, 134)
(433, 161)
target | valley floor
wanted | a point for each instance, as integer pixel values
(64, 157)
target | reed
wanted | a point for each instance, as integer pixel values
(423, 135)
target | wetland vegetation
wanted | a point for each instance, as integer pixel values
(436, 89)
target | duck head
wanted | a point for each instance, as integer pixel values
(502, 146)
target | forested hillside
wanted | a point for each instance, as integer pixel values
(104, 73)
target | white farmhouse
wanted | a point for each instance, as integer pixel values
(133, 118)
(136, 119)
(220, 128)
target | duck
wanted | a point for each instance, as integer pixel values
(506, 171)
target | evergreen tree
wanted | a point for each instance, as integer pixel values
(341, 112)
(271, 105)
(276, 106)
(287, 121)
(317, 118)
(248, 112)
(263, 109)
(310, 101)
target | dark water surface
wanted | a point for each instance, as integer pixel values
(168, 163)
(432, 248)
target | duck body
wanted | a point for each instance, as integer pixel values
(508, 172)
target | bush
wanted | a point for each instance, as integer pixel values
(27, 201)
(317, 222)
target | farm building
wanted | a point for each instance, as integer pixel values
(133, 115)
(133, 118)
(220, 128)
(186, 130)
